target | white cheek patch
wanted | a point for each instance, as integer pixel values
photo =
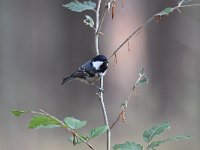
(97, 64)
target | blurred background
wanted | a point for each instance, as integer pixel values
(41, 42)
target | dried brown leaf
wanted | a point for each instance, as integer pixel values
(122, 116)
(115, 59)
(113, 10)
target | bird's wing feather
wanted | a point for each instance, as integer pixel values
(85, 71)
(88, 69)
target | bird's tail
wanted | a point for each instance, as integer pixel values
(67, 79)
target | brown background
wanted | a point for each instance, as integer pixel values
(41, 42)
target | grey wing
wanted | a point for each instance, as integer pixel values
(88, 69)
(84, 72)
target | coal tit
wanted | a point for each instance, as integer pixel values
(90, 72)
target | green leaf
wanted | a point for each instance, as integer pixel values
(18, 113)
(97, 131)
(169, 139)
(125, 104)
(128, 146)
(142, 78)
(89, 21)
(79, 7)
(41, 121)
(155, 131)
(165, 12)
(92, 134)
(74, 123)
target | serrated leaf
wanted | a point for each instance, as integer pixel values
(128, 146)
(41, 121)
(165, 12)
(89, 21)
(97, 131)
(79, 7)
(74, 123)
(169, 139)
(155, 131)
(18, 113)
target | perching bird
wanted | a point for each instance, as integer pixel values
(90, 72)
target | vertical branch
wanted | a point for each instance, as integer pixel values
(97, 28)
(105, 117)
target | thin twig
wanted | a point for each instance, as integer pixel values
(132, 34)
(146, 23)
(118, 118)
(191, 5)
(101, 22)
(121, 115)
(124, 108)
(105, 117)
(64, 127)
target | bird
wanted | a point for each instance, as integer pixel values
(90, 72)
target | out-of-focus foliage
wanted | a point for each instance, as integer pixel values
(79, 7)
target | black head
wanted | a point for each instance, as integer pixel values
(100, 58)
(100, 62)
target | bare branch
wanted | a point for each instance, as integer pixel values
(121, 115)
(146, 23)
(97, 30)
(123, 108)
(132, 34)
(102, 19)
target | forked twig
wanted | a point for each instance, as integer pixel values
(141, 80)
(146, 23)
